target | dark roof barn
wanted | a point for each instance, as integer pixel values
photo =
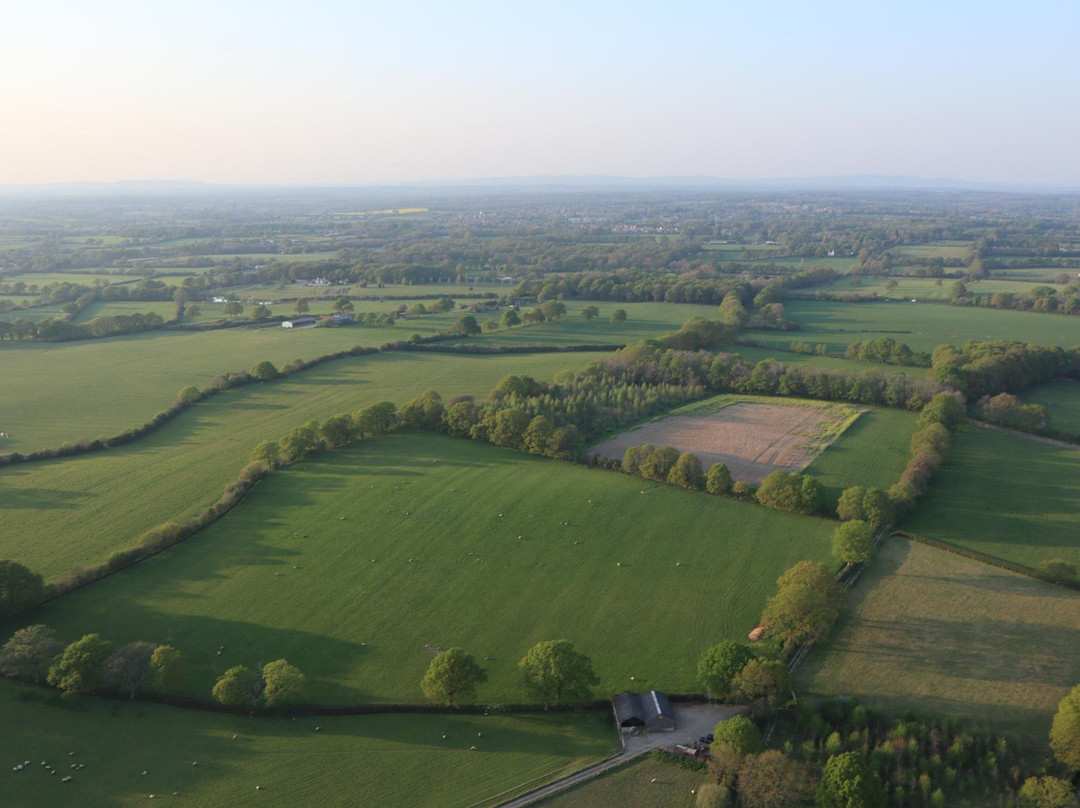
(649, 710)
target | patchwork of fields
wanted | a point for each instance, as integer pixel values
(356, 564)
(940, 634)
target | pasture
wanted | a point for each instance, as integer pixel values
(644, 783)
(923, 327)
(1062, 402)
(356, 565)
(75, 511)
(872, 452)
(751, 435)
(937, 249)
(919, 288)
(940, 634)
(825, 363)
(1006, 496)
(416, 760)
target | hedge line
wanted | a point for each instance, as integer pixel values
(472, 348)
(224, 381)
(993, 561)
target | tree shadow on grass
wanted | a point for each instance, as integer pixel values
(42, 499)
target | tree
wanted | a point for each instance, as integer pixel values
(848, 782)
(618, 317)
(567, 443)
(718, 479)
(79, 668)
(301, 306)
(264, 371)
(343, 305)
(282, 682)
(771, 780)
(658, 464)
(466, 326)
(558, 673)
(232, 308)
(376, 419)
(268, 452)
(590, 313)
(166, 664)
(509, 428)
(686, 472)
(260, 311)
(1047, 792)
(29, 653)
(537, 435)
(719, 665)
(878, 509)
(806, 605)
(740, 733)
(1057, 569)
(850, 504)
(510, 318)
(188, 395)
(1065, 730)
(239, 686)
(302, 441)
(944, 409)
(852, 542)
(452, 677)
(553, 309)
(129, 667)
(20, 589)
(338, 430)
(764, 684)
(192, 310)
(634, 456)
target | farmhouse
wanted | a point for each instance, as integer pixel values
(649, 711)
(299, 322)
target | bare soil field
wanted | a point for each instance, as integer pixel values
(752, 439)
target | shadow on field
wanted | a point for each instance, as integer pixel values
(42, 499)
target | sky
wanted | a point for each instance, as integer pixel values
(326, 92)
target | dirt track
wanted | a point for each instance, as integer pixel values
(752, 439)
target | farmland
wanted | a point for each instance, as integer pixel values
(751, 436)
(133, 751)
(644, 783)
(76, 511)
(922, 327)
(1006, 496)
(940, 634)
(920, 288)
(481, 547)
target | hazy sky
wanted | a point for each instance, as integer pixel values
(337, 92)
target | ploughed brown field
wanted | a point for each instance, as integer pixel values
(752, 439)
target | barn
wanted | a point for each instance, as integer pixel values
(650, 711)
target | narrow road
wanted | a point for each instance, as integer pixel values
(691, 722)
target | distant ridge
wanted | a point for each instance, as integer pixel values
(568, 182)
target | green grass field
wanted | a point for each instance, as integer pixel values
(872, 452)
(84, 278)
(827, 363)
(1062, 401)
(923, 327)
(1044, 274)
(58, 513)
(353, 564)
(940, 634)
(645, 783)
(938, 249)
(1006, 496)
(379, 760)
(919, 288)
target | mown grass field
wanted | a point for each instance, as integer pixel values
(940, 634)
(58, 513)
(1062, 402)
(781, 354)
(1006, 496)
(872, 452)
(354, 565)
(923, 327)
(937, 249)
(644, 783)
(373, 760)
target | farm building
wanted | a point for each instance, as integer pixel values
(649, 711)
(299, 322)
(340, 319)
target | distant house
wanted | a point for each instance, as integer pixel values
(650, 711)
(299, 322)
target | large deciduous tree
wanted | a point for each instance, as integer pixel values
(718, 479)
(20, 589)
(719, 665)
(452, 677)
(129, 667)
(852, 542)
(686, 472)
(557, 673)
(847, 782)
(29, 653)
(239, 686)
(79, 668)
(282, 682)
(1065, 730)
(771, 780)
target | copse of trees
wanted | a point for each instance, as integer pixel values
(870, 505)
(887, 351)
(275, 684)
(1007, 410)
(793, 492)
(720, 664)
